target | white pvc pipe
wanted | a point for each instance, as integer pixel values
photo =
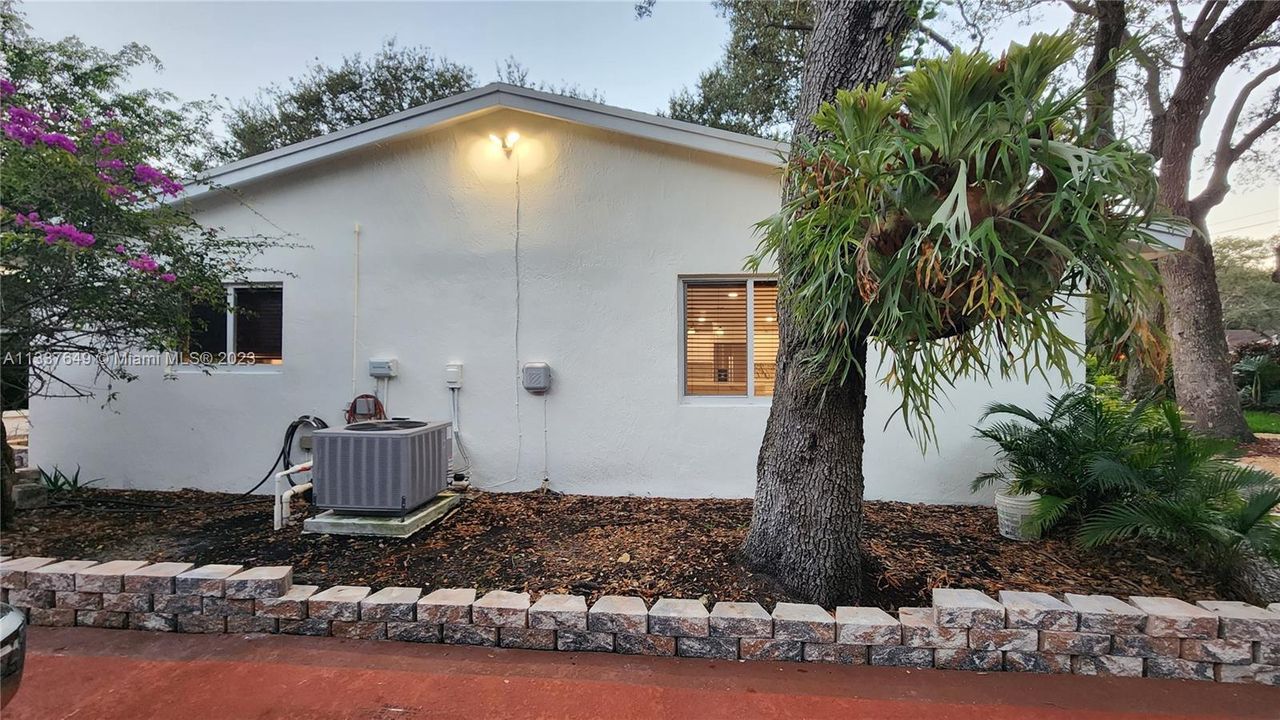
(283, 495)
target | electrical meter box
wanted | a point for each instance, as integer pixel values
(383, 367)
(536, 377)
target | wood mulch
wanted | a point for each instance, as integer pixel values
(592, 546)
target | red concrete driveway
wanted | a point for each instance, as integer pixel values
(104, 674)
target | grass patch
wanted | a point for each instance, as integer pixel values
(1263, 421)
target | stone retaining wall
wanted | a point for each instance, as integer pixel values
(964, 630)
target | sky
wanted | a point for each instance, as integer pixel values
(228, 50)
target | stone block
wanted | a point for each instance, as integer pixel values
(835, 653)
(679, 618)
(920, 630)
(619, 614)
(560, 612)
(468, 634)
(707, 647)
(153, 621)
(447, 606)
(59, 576)
(1169, 617)
(1144, 646)
(1037, 662)
(413, 632)
(867, 626)
(901, 656)
(204, 580)
(1107, 665)
(32, 598)
(740, 619)
(1267, 653)
(200, 623)
(341, 602)
(226, 606)
(246, 624)
(52, 617)
(1236, 620)
(126, 602)
(965, 659)
(102, 619)
(13, 572)
(78, 600)
(316, 627)
(528, 638)
(1221, 650)
(30, 497)
(174, 604)
(358, 630)
(1268, 675)
(107, 577)
(260, 582)
(1176, 669)
(1242, 673)
(156, 579)
(1009, 639)
(1037, 611)
(501, 608)
(644, 644)
(804, 622)
(959, 608)
(1074, 643)
(754, 648)
(1106, 614)
(584, 641)
(393, 604)
(290, 606)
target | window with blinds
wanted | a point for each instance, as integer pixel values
(248, 330)
(731, 337)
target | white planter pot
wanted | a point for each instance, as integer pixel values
(1012, 511)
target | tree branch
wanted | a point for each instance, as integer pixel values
(1177, 21)
(1225, 154)
(930, 33)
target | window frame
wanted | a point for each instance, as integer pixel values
(183, 365)
(683, 283)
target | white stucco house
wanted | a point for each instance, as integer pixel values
(604, 242)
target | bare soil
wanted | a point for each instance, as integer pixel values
(592, 546)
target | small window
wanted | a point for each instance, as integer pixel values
(730, 337)
(249, 331)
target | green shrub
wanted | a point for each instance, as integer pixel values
(1117, 470)
(59, 481)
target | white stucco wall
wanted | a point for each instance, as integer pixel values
(607, 224)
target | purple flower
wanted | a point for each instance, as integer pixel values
(144, 263)
(24, 116)
(148, 175)
(7, 88)
(107, 139)
(168, 277)
(86, 123)
(112, 164)
(119, 249)
(58, 140)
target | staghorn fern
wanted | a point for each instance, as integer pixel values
(952, 216)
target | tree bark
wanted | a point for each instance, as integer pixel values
(807, 519)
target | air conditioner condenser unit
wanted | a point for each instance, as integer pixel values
(388, 467)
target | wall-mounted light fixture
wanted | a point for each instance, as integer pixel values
(507, 142)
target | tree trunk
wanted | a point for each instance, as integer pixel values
(8, 469)
(807, 518)
(1202, 376)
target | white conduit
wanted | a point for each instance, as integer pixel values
(284, 493)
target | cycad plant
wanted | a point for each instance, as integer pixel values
(1115, 470)
(951, 216)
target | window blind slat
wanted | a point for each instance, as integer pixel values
(765, 335)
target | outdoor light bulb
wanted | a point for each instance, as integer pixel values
(513, 137)
(496, 140)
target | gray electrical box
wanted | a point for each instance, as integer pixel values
(536, 377)
(383, 367)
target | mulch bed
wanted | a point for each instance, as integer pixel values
(592, 546)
